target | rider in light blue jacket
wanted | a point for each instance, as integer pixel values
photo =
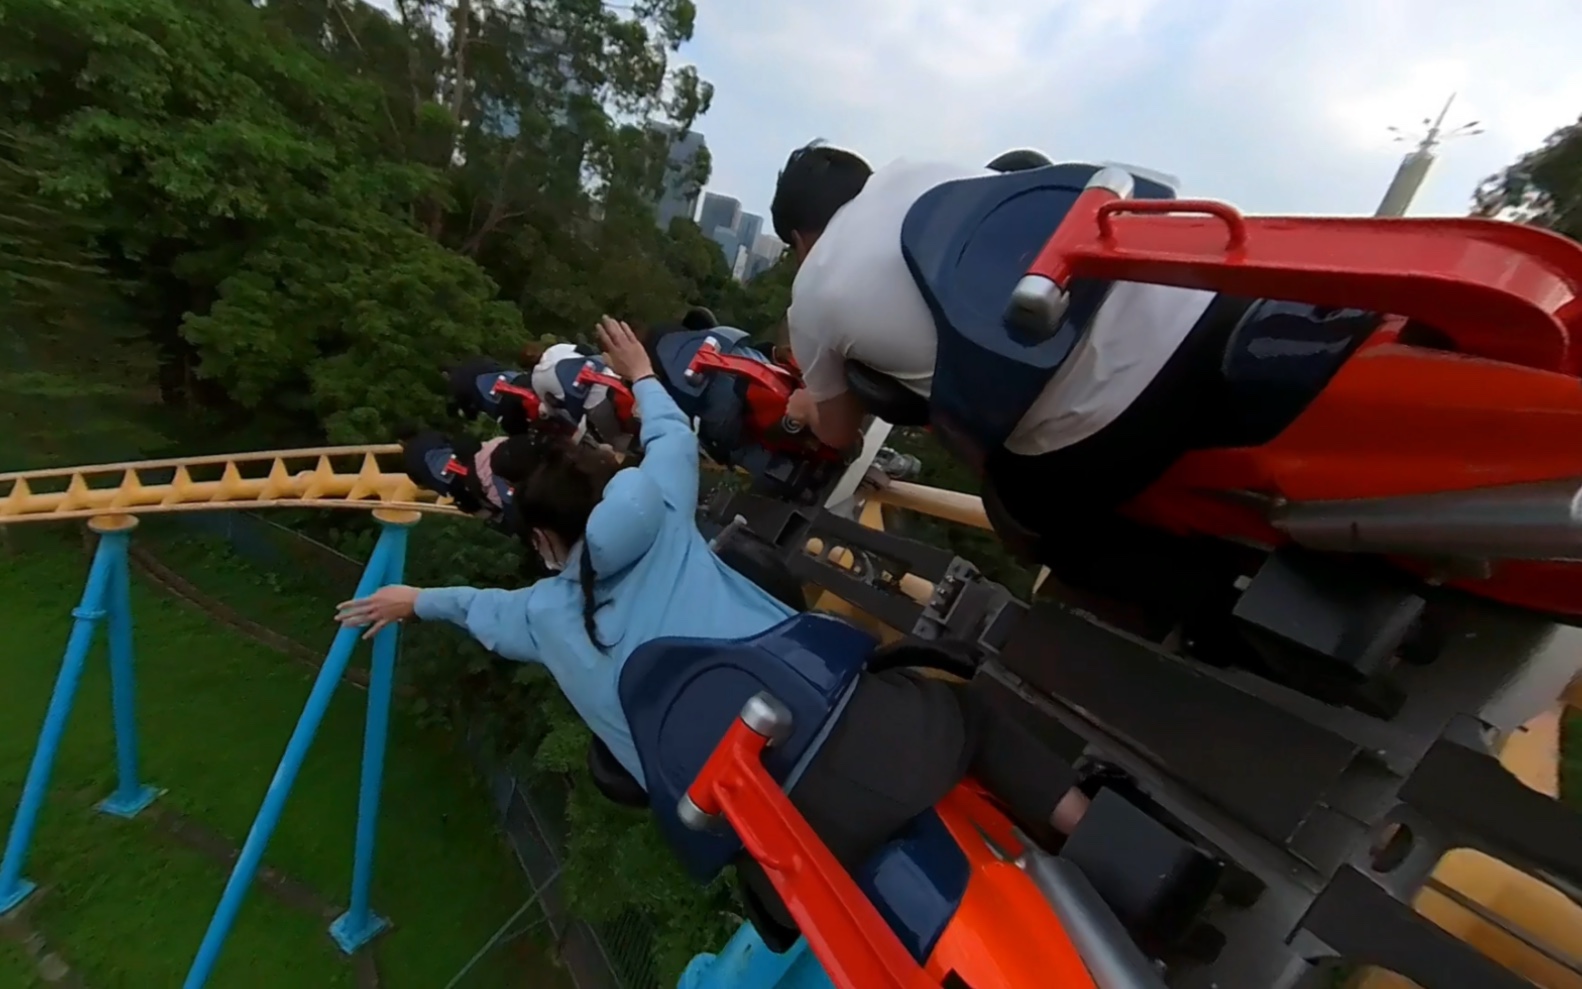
(634, 567)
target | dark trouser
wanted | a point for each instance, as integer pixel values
(903, 743)
(1068, 498)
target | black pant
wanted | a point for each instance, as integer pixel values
(903, 742)
(1068, 498)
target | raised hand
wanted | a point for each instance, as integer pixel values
(623, 351)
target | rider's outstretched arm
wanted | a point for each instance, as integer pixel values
(496, 618)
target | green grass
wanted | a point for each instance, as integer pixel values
(127, 907)
(296, 606)
(17, 971)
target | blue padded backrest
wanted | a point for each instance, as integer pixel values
(967, 244)
(488, 401)
(676, 350)
(681, 695)
(917, 881)
(715, 400)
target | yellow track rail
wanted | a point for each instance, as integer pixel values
(339, 477)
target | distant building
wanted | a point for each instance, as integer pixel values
(729, 243)
(719, 212)
(747, 249)
(769, 246)
(748, 229)
(679, 198)
(766, 250)
(756, 265)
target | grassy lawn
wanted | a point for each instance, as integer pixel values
(126, 906)
(295, 601)
(16, 970)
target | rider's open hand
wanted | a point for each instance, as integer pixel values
(388, 604)
(623, 351)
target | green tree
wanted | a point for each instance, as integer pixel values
(1543, 187)
(763, 302)
(191, 135)
(347, 320)
(310, 206)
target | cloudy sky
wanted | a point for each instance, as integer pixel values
(1276, 105)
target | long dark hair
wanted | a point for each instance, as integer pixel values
(558, 495)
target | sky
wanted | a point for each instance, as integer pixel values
(1278, 106)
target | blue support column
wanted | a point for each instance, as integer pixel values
(107, 557)
(130, 796)
(286, 774)
(359, 925)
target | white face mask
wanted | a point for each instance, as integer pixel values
(551, 562)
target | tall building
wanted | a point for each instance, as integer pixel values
(766, 250)
(756, 265)
(769, 246)
(730, 243)
(719, 211)
(748, 229)
(679, 198)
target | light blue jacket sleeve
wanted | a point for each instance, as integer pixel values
(670, 450)
(496, 618)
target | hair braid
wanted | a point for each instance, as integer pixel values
(590, 605)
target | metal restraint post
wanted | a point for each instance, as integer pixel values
(359, 924)
(106, 597)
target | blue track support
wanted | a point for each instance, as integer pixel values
(290, 765)
(131, 797)
(109, 567)
(358, 925)
(747, 963)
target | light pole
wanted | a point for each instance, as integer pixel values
(1414, 167)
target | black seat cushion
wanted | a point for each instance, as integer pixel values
(1156, 881)
(756, 559)
(958, 659)
(885, 397)
(1019, 160)
(777, 934)
(611, 778)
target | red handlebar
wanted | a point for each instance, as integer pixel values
(625, 403)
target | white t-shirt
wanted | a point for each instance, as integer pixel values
(854, 297)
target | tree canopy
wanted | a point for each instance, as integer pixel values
(1543, 187)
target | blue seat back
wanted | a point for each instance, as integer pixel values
(681, 695)
(715, 400)
(491, 404)
(675, 351)
(967, 244)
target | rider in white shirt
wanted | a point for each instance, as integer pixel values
(854, 298)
